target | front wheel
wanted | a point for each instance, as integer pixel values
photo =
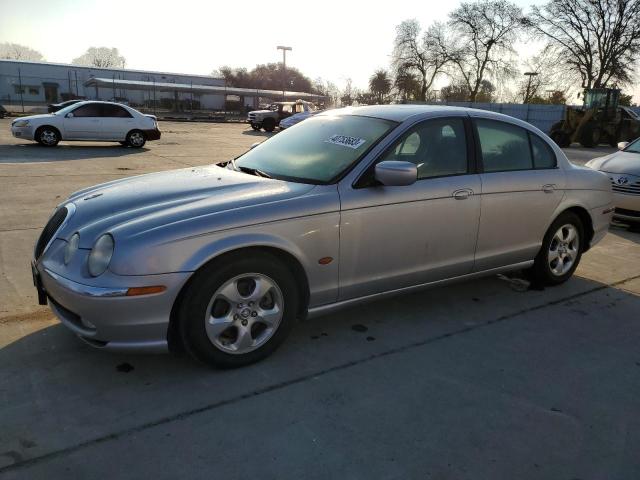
(255, 126)
(48, 136)
(136, 139)
(561, 251)
(238, 311)
(269, 125)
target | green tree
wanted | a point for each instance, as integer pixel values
(380, 86)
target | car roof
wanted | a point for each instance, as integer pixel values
(397, 113)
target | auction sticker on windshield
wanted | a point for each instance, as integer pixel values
(345, 141)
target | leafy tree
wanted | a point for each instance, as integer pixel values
(407, 85)
(380, 85)
(14, 51)
(626, 100)
(267, 77)
(420, 54)
(597, 40)
(486, 31)
(101, 57)
(459, 92)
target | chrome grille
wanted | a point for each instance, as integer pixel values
(630, 188)
(50, 230)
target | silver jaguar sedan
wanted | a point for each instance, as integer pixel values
(350, 205)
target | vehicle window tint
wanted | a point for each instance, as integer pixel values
(88, 110)
(543, 155)
(504, 146)
(115, 111)
(437, 147)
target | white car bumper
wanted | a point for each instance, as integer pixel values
(23, 132)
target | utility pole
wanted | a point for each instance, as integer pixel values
(284, 68)
(20, 87)
(528, 92)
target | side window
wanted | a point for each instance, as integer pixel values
(543, 155)
(115, 111)
(438, 148)
(88, 110)
(286, 108)
(504, 146)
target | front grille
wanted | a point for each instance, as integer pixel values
(50, 230)
(631, 188)
(628, 213)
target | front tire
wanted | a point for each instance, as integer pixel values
(136, 139)
(48, 136)
(561, 251)
(255, 126)
(238, 311)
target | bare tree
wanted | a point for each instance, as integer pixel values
(599, 40)
(14, 51)
(486, 31)
(542, 75)
(101, 57)
(423, 54)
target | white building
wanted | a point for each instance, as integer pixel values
(36, 84)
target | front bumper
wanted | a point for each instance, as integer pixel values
(106, 317)
(23, 132)
(627, 207)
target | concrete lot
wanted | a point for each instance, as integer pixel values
(476, 380)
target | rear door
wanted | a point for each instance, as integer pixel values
(116, 122)
(521, 188)
(85, 124)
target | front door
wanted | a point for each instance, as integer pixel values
(85, 123)
(521, 188)
(395, 237)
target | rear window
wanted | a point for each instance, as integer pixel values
(543, 155)
(504, 147)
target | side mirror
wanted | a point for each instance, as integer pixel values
(254, 145)
(69, 115)
(622, 145)
(393, 173)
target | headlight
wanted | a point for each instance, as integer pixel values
(100, 255)
(21, 123)
(71, 248)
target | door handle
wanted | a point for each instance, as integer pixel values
(549, 188)
(462, 194)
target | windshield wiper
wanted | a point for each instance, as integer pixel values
(254, 171)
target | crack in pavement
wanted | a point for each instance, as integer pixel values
(295, 381)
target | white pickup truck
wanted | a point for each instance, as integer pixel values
(270, 117)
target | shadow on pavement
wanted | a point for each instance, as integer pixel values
(35, 153)
(60, 394)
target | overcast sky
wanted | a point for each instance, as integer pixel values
(331, 39)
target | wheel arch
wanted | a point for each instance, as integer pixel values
(287, 258)
(35, 134)
(584, 216)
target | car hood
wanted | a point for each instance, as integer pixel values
(36, 117)
(262, 111)
(618, 162)
(143, 203)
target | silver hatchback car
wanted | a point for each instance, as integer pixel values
(349, 205)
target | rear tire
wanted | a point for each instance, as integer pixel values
(561, 251)
(269, 125)
(224, 303)
(136, 139)
(561, 138)
(47, 136)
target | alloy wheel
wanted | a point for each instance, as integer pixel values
(563, 249)
(244, 313)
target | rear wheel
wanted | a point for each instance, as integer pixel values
(48, 136)
(269, 125)
(238, 311)
(136, 139)
(561, 251)
(561, 138)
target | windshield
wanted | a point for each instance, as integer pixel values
(67, 109)
(633, 147)
(317, 150)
